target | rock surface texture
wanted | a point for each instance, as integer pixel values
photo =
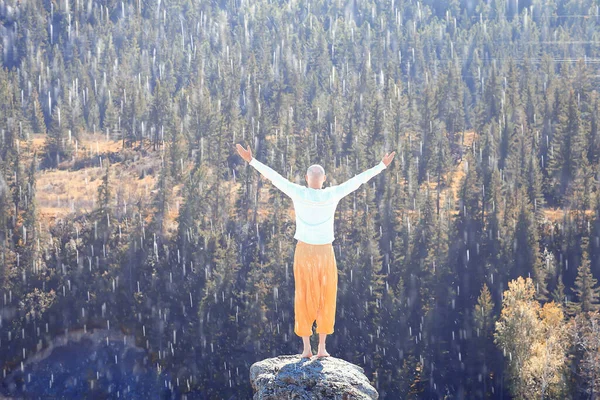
(290, 377)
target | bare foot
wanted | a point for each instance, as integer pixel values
(322, 353)
(306, 354)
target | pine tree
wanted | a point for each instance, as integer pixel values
(594, 242)
(586, 291)
(102, 213)
(161, 200)
(57, 145)
(425, 144)
(110, 116)
(4, 217)
(18, 181)
(534, 186)
(128, 118)
(469, 226)
(513, 103)
(441, 158)
(489, 108)
(593, 148)
(540, 276)
(91, 113)
(361, 281)
(484, 324)
(545, 276)
(558, 294)
(525, 254)
(494, 243)
(32, 254)
(193, 208)
(220, 306)
(567, 149)
(160, 112)
(35, 114)
(578, 193)
(453, 112)
(76, 122)
(177, 153)
(483, 312)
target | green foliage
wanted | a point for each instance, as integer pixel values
(567, 147)
(57, 146)
(499, 92)
(586, 292)
(483, 312)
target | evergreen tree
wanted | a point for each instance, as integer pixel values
(57, 145)
(525, 253)
(558, 294)
(35, 114)
(468, 225)
(33, 255)
(161, 201)
(110, 116)
(103, 211)
(566, 150)
(18, 182)
(495, 244)
(484, 324)
(586, 291)
(546, 276)
(160, 112)
(219, 311)
(534, 186)
(4, 231)
(483, 312)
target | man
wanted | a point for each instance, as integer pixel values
(315, 268)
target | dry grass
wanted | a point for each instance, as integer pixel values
(558, 214)
(469, 137)
(61, 192)
(88, 144)
(554, 214)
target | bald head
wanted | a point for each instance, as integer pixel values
(315, 171)
(315, 176)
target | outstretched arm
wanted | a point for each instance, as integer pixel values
(354, 183)
(287, 187)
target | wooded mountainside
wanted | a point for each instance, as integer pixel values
(124, 204)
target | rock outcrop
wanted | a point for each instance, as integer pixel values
(290, 377)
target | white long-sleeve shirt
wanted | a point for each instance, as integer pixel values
(315, 208)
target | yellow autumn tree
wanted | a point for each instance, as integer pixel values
(534, 343)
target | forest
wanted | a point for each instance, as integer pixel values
(467, 269)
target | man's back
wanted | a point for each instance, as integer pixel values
(315, 208)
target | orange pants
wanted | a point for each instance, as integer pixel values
(315, 277)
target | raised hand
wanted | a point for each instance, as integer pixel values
(245, 154)
(387, 159)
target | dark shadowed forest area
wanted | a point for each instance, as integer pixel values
(467, 269)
